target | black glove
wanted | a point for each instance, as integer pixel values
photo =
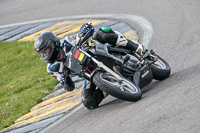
(68, 84)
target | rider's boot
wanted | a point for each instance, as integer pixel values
(92, 97)
(136, 47)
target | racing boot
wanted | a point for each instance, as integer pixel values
(92, 97)
(136, 47)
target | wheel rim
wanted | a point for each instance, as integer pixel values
(124, 85)
(159, 64)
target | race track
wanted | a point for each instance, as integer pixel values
(170, 106)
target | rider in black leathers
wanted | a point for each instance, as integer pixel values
(55, 52)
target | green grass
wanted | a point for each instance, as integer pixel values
(23, 80)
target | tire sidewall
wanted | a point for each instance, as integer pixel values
(160, 74)
(116, 92)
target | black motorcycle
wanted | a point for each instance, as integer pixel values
(116, 70)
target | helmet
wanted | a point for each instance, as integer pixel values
(48, 46)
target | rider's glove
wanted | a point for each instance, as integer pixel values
(86, 28)
(86, 31)
(67, 82)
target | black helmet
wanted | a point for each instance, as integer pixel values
(48, 46)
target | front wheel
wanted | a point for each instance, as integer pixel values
(160, 69)
(125, 90)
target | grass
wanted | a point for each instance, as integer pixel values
(24, 80)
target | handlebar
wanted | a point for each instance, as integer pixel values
(85, 36)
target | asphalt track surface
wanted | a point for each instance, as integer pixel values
(171, 105)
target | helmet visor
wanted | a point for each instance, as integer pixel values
(47, 52)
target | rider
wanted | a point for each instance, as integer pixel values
(55, 52)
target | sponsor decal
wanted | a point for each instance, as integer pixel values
(78, 55)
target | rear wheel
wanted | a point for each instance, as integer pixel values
(125, 90)
(160, 69)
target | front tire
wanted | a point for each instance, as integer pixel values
(125, 90)
(160, 69)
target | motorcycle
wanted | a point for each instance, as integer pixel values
(115, 70)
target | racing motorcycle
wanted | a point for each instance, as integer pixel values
(116, 70)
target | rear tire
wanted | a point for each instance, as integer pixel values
(126, 90)
(160, 69)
